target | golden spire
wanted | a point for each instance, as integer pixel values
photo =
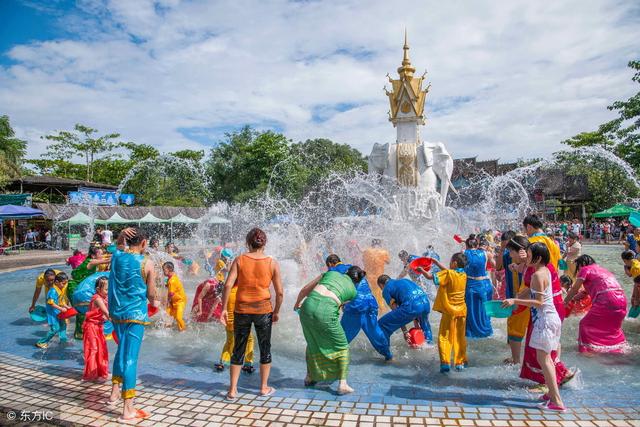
(406, 70)
(407, 97)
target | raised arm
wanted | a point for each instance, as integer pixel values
(305, 291)
(277, 285)
(122, 237)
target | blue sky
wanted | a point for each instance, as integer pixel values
(509, 79)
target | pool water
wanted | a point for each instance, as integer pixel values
(168, 356)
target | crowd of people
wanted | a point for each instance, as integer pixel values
(538, 276)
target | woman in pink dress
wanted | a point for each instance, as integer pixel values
(600, 329)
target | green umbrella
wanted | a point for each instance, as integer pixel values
(617, 210)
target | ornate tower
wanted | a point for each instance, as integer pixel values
(407, 100)
(407, 108)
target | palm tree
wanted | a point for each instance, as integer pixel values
(12, 151)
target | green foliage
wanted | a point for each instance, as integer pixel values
(81, 142)
(608, 183)
(249, 163)
(12, 152)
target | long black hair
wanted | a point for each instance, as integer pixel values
(356, 274)
(583, 261)
(539, 253)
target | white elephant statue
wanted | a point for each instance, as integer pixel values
(420, 165)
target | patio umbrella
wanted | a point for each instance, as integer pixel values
(615, 211)
(17, 212)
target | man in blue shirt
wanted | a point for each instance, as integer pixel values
(408, 303)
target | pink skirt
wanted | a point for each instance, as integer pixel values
(601, 328)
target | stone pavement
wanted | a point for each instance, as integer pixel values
(30, 259)
(35, 393)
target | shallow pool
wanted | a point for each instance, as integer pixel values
(168, 357)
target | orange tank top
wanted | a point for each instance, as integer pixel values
(254, 279)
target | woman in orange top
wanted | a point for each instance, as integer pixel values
(252, 273)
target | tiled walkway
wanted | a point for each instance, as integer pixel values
(33, 389)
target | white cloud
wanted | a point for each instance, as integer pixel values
(510, 79)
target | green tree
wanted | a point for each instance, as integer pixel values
(12, 151)
(321, 157)
(81, 142)
(248, 163)
(194, 156)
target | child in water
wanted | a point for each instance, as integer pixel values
(449, 301)
(96, 353)
(177, 299)
(221, 268)
(54, 307)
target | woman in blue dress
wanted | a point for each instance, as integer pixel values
(479, 289)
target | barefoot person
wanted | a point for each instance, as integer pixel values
(327, 351)
(131, 285)
(252, 273)
(546, 324)
(94, 344)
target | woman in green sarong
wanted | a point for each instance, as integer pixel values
(89, 266)
(327, 346)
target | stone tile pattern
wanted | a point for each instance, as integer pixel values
(30, 385)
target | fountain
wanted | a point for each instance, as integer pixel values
(398, 202)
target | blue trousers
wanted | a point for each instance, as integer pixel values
(125, 362)
(399, 317)
(368, 322)
(54, 329)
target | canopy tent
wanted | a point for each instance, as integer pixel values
(216, 220)
(149, 218)
(117, 219)
(17, 212)
(182, 218)
(81, 218)
(615, 211)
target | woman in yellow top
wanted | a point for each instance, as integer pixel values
(177, 299)
(450, 302)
